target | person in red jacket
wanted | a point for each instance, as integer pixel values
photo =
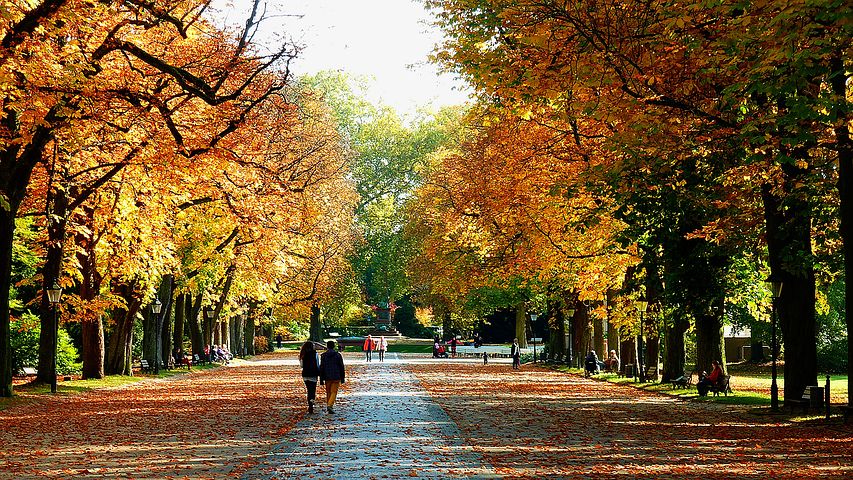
(714, 378)
(369, 346)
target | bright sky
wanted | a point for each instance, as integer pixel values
(386, 40)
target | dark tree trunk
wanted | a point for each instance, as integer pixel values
(557, 330)
(56, 230)
(119, 359)
(598, 325)
(92, 325)
(249, 334)
(196, 338)
(709, 341)
(675, 360)
(790, 259)
(521, 325)
(180, 316)
(316, 329)
(839, 80)
(149, 335)
(7, 232)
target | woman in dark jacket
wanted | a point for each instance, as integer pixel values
(310, 362)
(331, 374)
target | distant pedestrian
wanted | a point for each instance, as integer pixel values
(515, 353)
(382, 347)
(453, 343)
(278, 340)
(368, 347)
(485, 358)
(331, 374)
(310, 362)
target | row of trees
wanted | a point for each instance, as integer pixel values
(147, 153)
(677, 153)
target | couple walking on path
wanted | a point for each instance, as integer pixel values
(327, 369)
(370, 345)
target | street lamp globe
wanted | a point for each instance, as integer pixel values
(157, 306)
(54, 294)
(774, 285)
(642, 305)
(208, 314)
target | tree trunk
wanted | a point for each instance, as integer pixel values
(628, 350)
(119, 359)
(180, 316)
(790, 259)
(196, 334)
(316, 329)
(844, 146)
(149, 335)
(92, 325)
(709, 341)
(557, 330)
(598, 336)
(675, 360)
(249, 334)
(7, 232)
(51, 271)
(521, 325)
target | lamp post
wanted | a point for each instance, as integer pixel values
(775, 286)
(156, 308)
(208, 315)
(642, 305)
(54, 294)
(533, 318)
(570, 315)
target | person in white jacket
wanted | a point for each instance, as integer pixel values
(382, 347)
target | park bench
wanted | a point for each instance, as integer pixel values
(198, 360)
(806, 400)
(29, 371)
(722, 387)
(144, 366)
(684, 381)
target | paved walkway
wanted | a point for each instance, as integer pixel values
(384, 426)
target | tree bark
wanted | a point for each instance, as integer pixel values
(51, 271)
(521, 325)
(7, 232)
(119, 359)
(316, 329)
(92, 325)
(180, 316)
(598, 336)
(790, 258)
(675, 359)
(839, 79)
(709, 336)
(196, 338)
(249, 334)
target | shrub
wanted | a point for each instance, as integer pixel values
(261, 345)
(24, 340)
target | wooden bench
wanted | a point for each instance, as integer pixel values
(144, 366)
(684, 381)
(805, 401)
(30, 371)
(722, 387)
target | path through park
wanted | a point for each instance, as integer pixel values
(411, 417)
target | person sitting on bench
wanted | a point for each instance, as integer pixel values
(705, 382)
(611, 363)
(592, 364)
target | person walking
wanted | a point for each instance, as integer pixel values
(310, 362)
(331, 374)
(515, 353)
(369, 345)
(382, 347)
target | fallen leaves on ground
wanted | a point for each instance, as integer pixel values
(538, 423)
(212, 424)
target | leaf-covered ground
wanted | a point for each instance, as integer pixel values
(543, 424)
(211, 424)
